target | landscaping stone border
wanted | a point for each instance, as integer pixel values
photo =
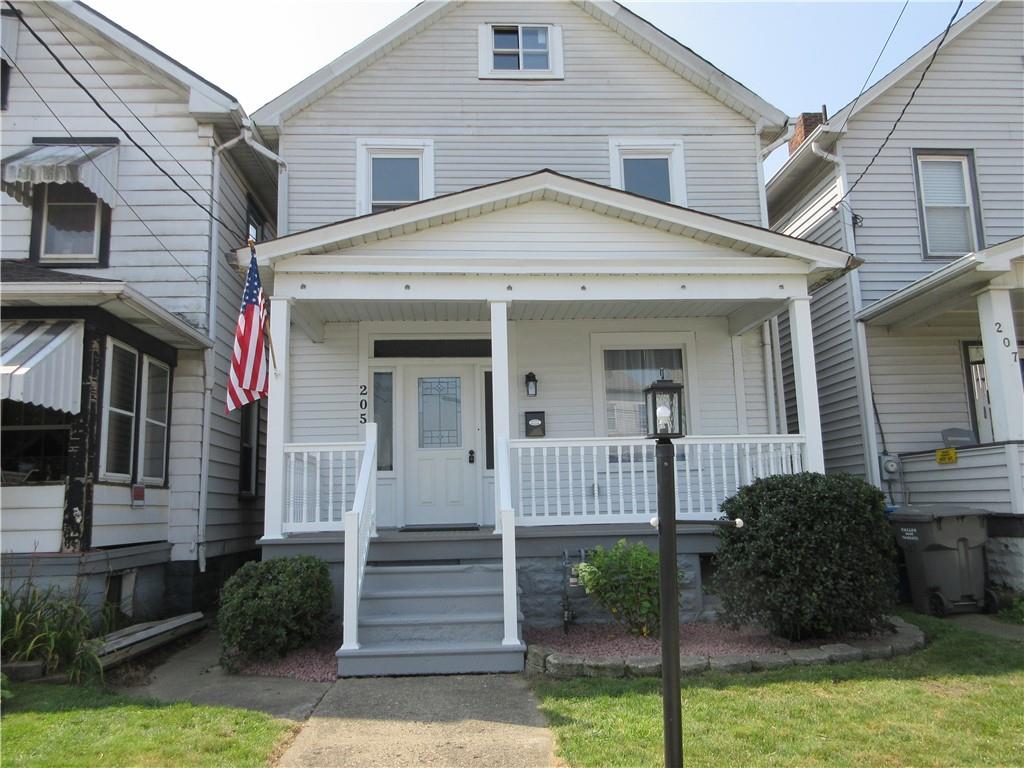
(905, 639)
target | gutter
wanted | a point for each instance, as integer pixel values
(209, 367)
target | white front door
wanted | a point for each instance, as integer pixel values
(443, 459)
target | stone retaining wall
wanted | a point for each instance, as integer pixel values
(905, 639)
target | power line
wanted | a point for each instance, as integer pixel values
(874, 66)
(120, 127)
(907, 105)
(98, 169)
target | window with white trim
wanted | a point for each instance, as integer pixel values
(71, 226)
(391, 173)
(627, 373)
(155, 410)
(650, 167)
(136, 416)
(946, 192)
(520, 51)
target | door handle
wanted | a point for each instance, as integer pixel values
(472, 457)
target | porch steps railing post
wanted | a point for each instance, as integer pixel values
(360, 526)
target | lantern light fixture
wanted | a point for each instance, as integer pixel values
(664, 401)
(531, 384)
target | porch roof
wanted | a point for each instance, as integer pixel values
(549, 185)
(950, 287)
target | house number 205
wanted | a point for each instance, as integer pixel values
(363, 403)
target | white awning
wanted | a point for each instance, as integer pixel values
(92, 165)
(41, 362)
(9, 38)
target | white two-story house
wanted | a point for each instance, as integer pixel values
(920, 348)
(500, 222)
(122, 192)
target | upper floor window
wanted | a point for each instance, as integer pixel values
(249, 450)
(650, 167)
(520, 51)
(255, 224)
(391, 173)
(70, 226)
(947, 195)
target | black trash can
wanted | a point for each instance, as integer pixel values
(944, 549)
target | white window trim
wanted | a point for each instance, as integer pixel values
(485, 54)
(144, 421)
(392, 147)
(84, 258)
(682, 340)
(972, 226)
(105, 426)
(620, 148)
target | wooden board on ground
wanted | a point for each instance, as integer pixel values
(124, 644)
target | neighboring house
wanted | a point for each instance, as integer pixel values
(501, 222)
(920, 348)
(121, 470)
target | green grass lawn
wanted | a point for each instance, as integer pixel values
(60, 725)
(960, 702)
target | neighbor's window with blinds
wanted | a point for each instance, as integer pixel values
(627, 373)
(946, 193)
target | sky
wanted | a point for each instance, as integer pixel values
(796, 56)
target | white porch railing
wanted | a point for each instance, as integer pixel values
(506, 524)
(608, 480)
(320, 484)
(360, 526)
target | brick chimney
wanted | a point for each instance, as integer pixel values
(804, 124)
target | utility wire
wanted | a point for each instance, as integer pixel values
(120, 127)
(98, 169)
(905, 106)
(874, 66)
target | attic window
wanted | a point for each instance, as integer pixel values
(520, 51)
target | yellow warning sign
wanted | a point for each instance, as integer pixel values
(945, 456)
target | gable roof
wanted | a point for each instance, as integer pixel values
(663, 48)
(552, 186)
(826, 134)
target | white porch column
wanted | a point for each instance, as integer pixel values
(1002, 367)
(277, 418)
(504, 515)
(802, 339)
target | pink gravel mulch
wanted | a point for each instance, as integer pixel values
(314, 665)
(700, 638)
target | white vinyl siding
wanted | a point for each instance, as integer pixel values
(811, 213)
(946, 192)
(115, 522)
(485, 131)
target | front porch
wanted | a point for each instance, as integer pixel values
(473, 394)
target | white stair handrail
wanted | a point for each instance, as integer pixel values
(360, 526)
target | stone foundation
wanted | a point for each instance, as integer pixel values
(1005, 558)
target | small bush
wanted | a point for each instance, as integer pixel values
(624, 581)
(1014, 612)
(50, 626)
(815, 557)
(270, 608)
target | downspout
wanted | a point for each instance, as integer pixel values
(209, 369)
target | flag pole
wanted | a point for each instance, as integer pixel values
(266, 323)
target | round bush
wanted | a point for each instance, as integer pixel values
(624, 581)
(269, 608)
(815, 557)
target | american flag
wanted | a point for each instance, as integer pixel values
(247, 380)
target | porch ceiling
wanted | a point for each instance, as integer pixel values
(465, 311)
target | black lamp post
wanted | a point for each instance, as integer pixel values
(664, 400)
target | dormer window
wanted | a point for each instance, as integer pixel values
(521, 51)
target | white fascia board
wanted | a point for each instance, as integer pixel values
(193, 84)
(908, 66)
(546, 185)
(799, 164)
(272, 114)
(72, 294)
(707, 76)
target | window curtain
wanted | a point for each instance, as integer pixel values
(627, 373)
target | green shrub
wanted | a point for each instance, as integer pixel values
(50, 626)
(624, 581)
(815, 557)
(270, 608)
(1014, 612)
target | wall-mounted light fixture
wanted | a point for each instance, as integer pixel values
(531, 384)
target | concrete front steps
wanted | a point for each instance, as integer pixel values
(431, 620)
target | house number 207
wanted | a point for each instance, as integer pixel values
(363, 403)
(1014, 354)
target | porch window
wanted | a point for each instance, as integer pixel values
(156, 393)
(627, 372)
(650, 167)
(392, 173)
(384, 418)
(35, 441)
(981, 412)
(119, 412)
(948, 204)
(520, 51)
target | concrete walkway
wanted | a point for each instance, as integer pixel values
(194, 674)
(986, 625)
(472, 720)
